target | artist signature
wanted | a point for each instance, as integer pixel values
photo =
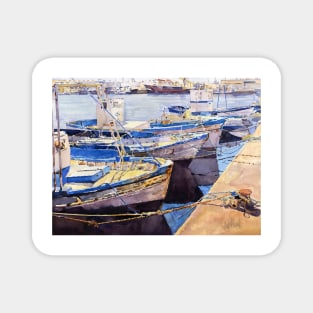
(232, 223)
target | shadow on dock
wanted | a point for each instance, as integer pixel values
(188, 175)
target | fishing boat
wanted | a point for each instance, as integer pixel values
(229, 112)
(167, 86)
(173, 124)
(110, 118)
(98, 182)
(166, 125)
(239, 124)
(200, 100)
(174, 147)
(239, 121)
(240, 127)
(242, 111)
(201, 104)
(102, 181)
(178, 109)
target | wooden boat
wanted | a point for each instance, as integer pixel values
(174, 147)
(241, 111)
(178, 109)
(166, 125)
(106, 124)
(240, 127)
(239, 121)
(172, 124)
(201, 104)
(95, 183)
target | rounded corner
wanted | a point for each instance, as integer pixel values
(38, 248)
(273, 248)
(272, 64)
(41, 64)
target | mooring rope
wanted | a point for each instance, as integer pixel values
(226, 198)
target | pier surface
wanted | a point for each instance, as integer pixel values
(244, 172)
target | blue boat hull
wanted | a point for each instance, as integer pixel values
(184, 148)
(156, 128)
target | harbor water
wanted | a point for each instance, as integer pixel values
(139, 107)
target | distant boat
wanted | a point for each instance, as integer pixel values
(243, 92)
(167, 89)
(235, 92)
(139, 91)
(178, 109)
(98, 181)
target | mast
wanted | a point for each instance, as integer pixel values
(58, 134)
(53, 156)
(225, 95)
(218, 96)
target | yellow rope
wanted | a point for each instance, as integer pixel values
(204, 200)
(94, 215)
(96, 224)
(144, 214)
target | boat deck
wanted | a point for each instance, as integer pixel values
(132, 125)
(118, 172)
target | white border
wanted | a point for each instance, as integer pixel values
(262, 68)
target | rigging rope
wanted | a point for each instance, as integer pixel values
(120, 124)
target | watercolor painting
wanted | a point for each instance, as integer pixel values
(156, 156)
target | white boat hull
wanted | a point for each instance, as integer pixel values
(184, 151)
